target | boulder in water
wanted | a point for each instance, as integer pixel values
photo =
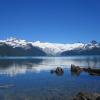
(58, 71)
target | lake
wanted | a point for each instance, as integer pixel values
(30, 78)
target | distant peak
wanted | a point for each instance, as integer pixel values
(11, 39)
(37, 42)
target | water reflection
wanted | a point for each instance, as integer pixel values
(31, 78)
(75, 73)
(17, 66)
(21, 66)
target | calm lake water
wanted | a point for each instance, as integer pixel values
(30, 78)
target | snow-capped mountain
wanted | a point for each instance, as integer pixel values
(50, 49)
(55, 48)
(17, 47)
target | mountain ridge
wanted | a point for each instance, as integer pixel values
(24, 48)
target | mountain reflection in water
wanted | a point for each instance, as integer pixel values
(21, 66)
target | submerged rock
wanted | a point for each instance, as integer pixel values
(87, 96)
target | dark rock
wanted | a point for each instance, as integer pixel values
(98, 98)
(86, 96)
(76, 70)
(58, 71)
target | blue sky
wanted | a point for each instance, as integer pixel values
(62, 21)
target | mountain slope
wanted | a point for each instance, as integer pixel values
(88, 49)
(9, 49)
(93, 51)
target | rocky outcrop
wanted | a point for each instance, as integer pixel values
(75, 70)
(78, 69)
